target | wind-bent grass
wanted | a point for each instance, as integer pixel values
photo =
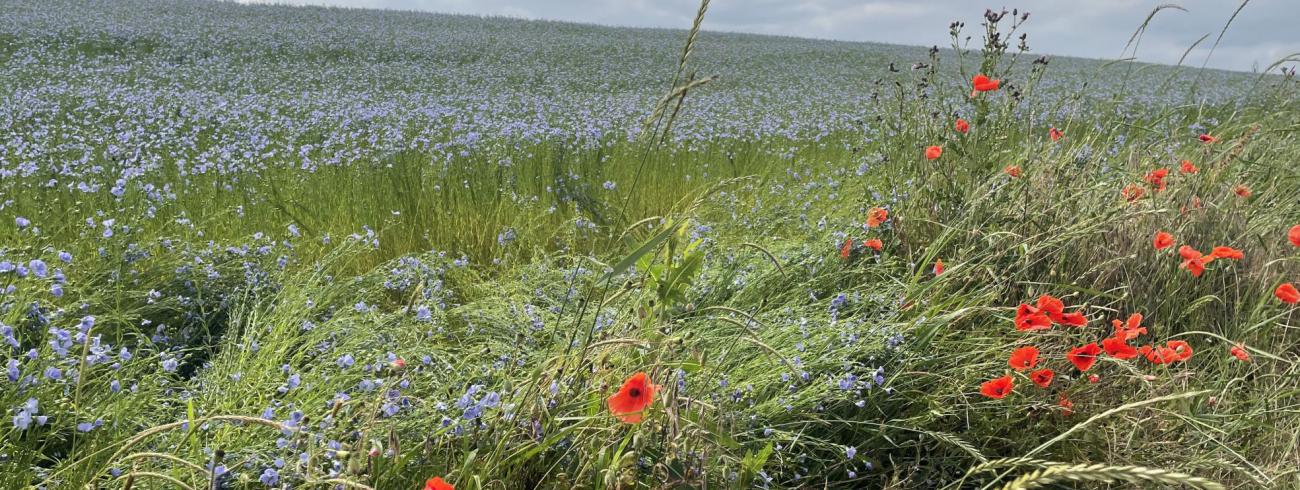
(468, 320)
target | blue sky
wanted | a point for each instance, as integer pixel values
(1264, 31)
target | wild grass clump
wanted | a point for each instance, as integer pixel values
(373, 326)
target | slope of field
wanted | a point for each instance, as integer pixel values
(260, 246)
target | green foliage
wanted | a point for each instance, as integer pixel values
(726, 286)
(672, 274)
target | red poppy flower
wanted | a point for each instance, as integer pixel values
(1157, 178)
(1193, 260)
(1055, 134)
(1014, 172)
(1118, 348)
(1092, 378)
(633, 398)
(1084, 357)
(1241, 190)
(1163, 240)
(1129, 329)
(1132, 192)
(997, 388)
(874, 244)
(1067, 406)
(1287, 293)
(1227, 253)
(981, 83)
(938, 266)
(1239, 351)
(1073, 319)
(1158, 354)
(1055, 310)
(848, 247)
(436, 483)
(1187, 167)
(1029, 318)
(1024, 358)
(1294, 235)
(1051, 305)
(1173, 351)
(876, 217)
(1181, 348)
(1205, 138)
(933, 152)
(962, 126)
(1042, 377)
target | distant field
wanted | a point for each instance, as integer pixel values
(148, 99)
(363, 248)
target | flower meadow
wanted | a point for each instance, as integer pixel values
(252, 246)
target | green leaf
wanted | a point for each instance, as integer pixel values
(645, 248)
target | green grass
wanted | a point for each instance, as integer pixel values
(739, 316)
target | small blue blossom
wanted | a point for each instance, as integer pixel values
(346, 361)
(270, 477)
(26, 414)
(38, 267)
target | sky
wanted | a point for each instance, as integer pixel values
(1265, 31)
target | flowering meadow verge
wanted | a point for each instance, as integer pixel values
(1016, 280)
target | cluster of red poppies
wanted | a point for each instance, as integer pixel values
(1193, 260)
(1050, 311)
(875, 218)
(1286, 292)
(979, 83)
(1155, 179)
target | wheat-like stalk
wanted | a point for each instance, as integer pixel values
(1107, 414)
(959, 442)
(690, 40)
(677, 90)
(129, 479)
(1010, 463)
(147, 455)
(1108, 474)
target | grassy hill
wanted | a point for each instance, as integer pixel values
(251, 246)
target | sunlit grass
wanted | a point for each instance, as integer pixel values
(375, 325)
